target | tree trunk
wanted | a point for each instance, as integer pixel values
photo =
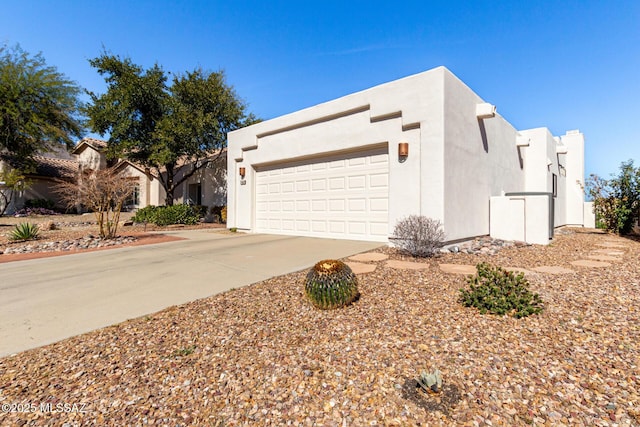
(169, 185)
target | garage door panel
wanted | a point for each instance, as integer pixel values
(319, 184)
(358, 182)
(358, 227)
(336, 205)
(357, 205)
(379, 205)
(336, 184)
(379, 180)
(337, 197)
(337, 227)
(378, 228)
(303, 206)
(358, 161)
(319, 205)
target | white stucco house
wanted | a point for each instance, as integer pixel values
(427, 145)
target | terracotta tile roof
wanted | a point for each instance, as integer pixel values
(55, 168)
(96, 144)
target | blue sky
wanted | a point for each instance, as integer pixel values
(560, 64)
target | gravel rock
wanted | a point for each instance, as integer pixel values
(262, 355)
(89, 242)
(482, 245)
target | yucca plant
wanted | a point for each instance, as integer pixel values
(25, 231)
(331, 284)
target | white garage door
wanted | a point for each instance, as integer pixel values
(341, 196)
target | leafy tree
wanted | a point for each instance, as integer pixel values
(174, 129)
(39, 107)
(616, 201)
(12, 182)
(102, 191)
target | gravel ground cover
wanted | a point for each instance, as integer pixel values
(72, 233)
(262, 355)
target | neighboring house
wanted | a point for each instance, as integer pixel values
(206, 187)
(48, 170)
(426, 145)
(90, 154)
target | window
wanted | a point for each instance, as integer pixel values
(555, 185)
(195, 194)
(134, 198)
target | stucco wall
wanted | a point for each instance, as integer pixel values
(89, 158)
(575, 179)
(406, 110)
(213, 180)
(481, 160)
(456, 161)
(545, 157)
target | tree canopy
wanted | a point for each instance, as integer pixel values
(616, 201)
(175, 129)
(39, 107)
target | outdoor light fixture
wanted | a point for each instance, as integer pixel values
(403, 150)
(242, 171)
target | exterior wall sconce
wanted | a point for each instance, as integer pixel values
(242, 171)
(403, 150)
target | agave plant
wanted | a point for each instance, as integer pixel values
(331, 284)
(430, 382)
(25, 231)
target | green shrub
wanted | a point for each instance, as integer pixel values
(331, 284)
(497, 291)
(25, 231)
(146, 214)
(167, 215)
(176, 214)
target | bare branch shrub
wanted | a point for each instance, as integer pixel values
(418, 235)
(103, 192)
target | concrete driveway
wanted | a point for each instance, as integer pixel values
(49, 299)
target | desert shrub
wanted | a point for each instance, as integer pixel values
(200, 210)
(219, 213)
(24, 231)
(419, 235)
(40, 203)
(223, 214)
(331, 284)
(167, 215)
(497, 291)
(146, 214)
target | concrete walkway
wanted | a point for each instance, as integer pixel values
(48, 299)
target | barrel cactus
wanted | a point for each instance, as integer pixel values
(331, 284)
